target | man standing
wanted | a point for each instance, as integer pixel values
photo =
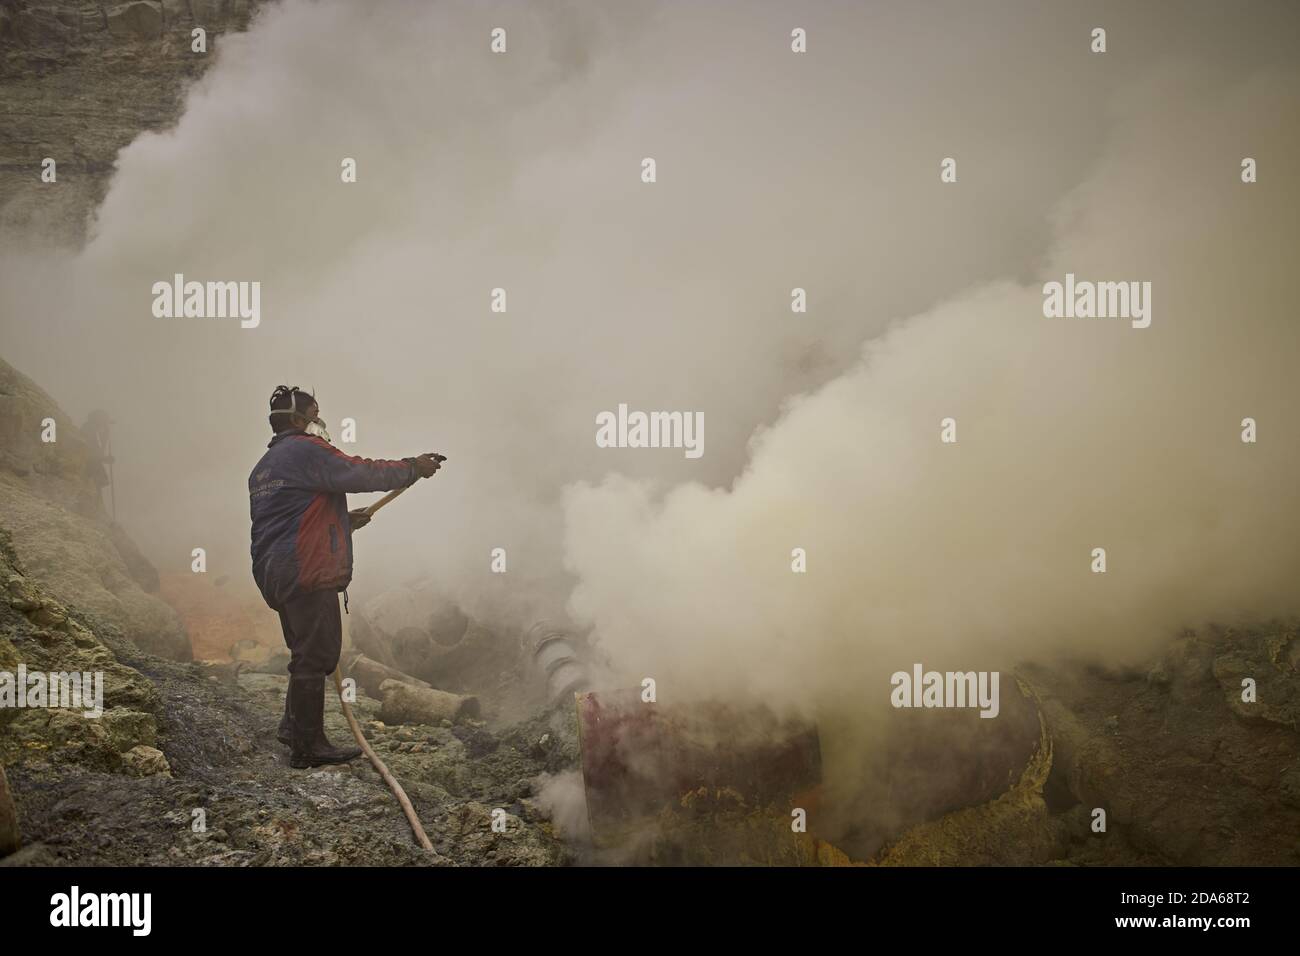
(302, 554)
(99, 458)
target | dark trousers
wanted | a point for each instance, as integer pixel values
(313, 630)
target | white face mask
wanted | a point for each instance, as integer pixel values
(317, 428)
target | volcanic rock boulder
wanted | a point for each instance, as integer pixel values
(145, 761)
(41, 635)
(57, 524)
(79, 81)
(75, 560)
(1188, 772)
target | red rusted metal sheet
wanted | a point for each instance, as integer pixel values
(639, 757)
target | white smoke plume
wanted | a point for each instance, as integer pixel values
(821, 171)
(1073, 434)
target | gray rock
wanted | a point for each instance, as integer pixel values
(145, 761)
(78, 85)
(34, 854)
(142, 20)
(1290, 787)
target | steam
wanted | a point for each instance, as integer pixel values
(1073, 434)
(820, 171)
(561, 797)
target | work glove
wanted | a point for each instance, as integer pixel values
(428, 464)
(358, 518)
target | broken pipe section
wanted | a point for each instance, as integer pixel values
(408, 704)
(556, 661)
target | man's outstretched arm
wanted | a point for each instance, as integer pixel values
(329, 469)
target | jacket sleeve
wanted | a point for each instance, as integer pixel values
(328, 469)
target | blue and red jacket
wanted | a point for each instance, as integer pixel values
(302, 539)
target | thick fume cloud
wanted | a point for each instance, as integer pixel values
(522, 171)
(1073, 434)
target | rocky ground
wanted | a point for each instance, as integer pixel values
(1187, 771)
(217, 741)
(178, 738)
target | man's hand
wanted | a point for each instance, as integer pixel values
(428, 464)
(358, 518)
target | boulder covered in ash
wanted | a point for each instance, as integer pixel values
(58, 525)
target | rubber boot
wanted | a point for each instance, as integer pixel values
(284, 733)
(311, 748)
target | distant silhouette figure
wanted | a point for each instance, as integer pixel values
(99, 461)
